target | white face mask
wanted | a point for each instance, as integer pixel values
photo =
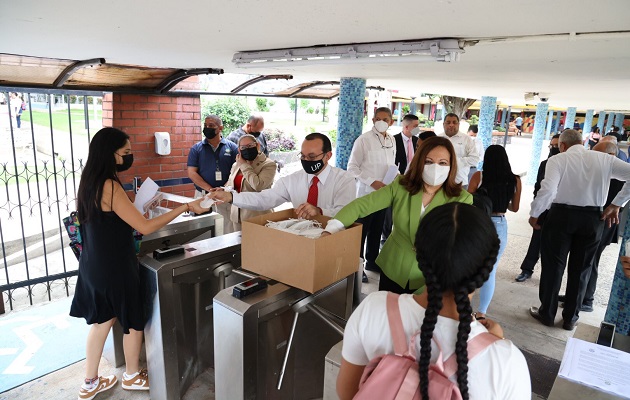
(435, 174)
(415, 131)
(381, 126)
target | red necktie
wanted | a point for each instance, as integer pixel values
(313, 193)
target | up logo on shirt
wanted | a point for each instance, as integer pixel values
(228, 152)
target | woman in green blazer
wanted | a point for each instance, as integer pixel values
(429, 182)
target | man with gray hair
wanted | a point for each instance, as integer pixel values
(574, 190)
(612, 139)
(254, 126)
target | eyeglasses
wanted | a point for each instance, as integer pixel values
(551, 146)
(383, 143)
(310, 158)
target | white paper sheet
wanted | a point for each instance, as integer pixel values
(597, 366)
(392, 173)
(147, 191)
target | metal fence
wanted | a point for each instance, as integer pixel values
(41, 159)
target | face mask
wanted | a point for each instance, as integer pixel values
(435, 174)
(415, 131)
(255, 134)
(126, 164)
(381, 126)
(553, 151)
(249, 154)
(312, 167)
(209, 133)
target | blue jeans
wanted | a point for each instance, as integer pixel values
(487, 290)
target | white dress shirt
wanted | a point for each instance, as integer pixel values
(406, 143)
(580, 177)
(335, 190)
(467, 155)
(372, 155)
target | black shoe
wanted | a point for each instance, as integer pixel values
(586, 308)
(523, 276)
(562, 298)
(364, 279)
(568, 325)
(533, 311)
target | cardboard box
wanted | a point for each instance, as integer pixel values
(307, 264)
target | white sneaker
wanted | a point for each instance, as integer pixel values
(138, 381)
(104, 383)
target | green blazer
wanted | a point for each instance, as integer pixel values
(397, 258)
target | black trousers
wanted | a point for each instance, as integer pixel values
(608, 236)
(533, 252)
(371, 238)
(574, 231)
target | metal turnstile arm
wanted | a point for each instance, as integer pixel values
(286, 353)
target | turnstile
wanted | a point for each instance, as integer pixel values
(179, 290)
(252, 335)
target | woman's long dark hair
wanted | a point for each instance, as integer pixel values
(100, 166)
(498, 178)
(412, 180)
(456, 248)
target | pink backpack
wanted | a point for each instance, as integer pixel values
(396, 377)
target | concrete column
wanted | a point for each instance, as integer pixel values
(618, 310)
(609, 122)
(486, 121)
(570, 119)
(600, 121)
(549, 123)
(350, 122)
(537, 141)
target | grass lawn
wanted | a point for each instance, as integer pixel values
(60, 120)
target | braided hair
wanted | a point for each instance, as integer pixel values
(456, 247)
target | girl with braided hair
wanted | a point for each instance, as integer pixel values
(456, 247)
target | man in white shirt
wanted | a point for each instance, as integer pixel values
(317, 189)
(473, 131)
(465, 148)
(519, 125)
(574, 190)
(372, 154)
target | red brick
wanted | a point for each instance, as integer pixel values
(146, 106)
(197, 116)
(161, 99)
(124, 123)
(116, 98)
(134, 114)
(190, 108)
(168, 107)
(140, 130)
(149, 122)
(134, 98)
(171, 167)
(191, 122)
(144, 138)
(117, 114)
(159, 114)
(107, 105)
(184, 115)
(107, 122)
(185, 100)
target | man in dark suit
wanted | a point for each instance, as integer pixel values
(406, 142)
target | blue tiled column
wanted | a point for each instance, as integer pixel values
(618, 311)
(537, 141)
(619, 120)
(486, 121)
(588, 124)
(609, 122)
(558, 119)
(600, 121)
(570, 119)
(350, 121)
(549, 124)
(413, 108)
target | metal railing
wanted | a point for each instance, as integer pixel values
(40, 168)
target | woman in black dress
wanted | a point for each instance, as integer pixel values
(108, 285)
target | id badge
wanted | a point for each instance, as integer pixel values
(217, 176)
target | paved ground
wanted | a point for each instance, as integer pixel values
(509, 307)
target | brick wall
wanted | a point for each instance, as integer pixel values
(140, 116)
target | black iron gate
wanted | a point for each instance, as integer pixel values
(41, 158)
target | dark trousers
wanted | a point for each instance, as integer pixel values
(574, 231)
(387, 224)
(608, 235)
(533, 252)
(371, 238)
(388, 285)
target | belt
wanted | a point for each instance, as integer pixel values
(578, 208)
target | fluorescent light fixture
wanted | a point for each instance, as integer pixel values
(443, 50)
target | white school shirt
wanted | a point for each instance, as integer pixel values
(581, 177)
(336, 188)
(467, 155)
(372, 155)
(499, 372)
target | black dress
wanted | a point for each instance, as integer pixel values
(108, 285)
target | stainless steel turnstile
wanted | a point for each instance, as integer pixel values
(252, 335)
(179, 290)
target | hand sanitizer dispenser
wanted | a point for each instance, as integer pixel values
(162, 143)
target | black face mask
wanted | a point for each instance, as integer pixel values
(209, 133)
(255, 134)
(312, 167)
(127, 162)
(249, 154)
(553, 151)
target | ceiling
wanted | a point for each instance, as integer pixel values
(560, 54)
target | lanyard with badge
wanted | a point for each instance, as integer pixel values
(218, 177)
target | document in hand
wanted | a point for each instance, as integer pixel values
(392, 173)
(145, 195)
(597, 366)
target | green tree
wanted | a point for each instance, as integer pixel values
(261, 104)
(291, 104)
(232, 110)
